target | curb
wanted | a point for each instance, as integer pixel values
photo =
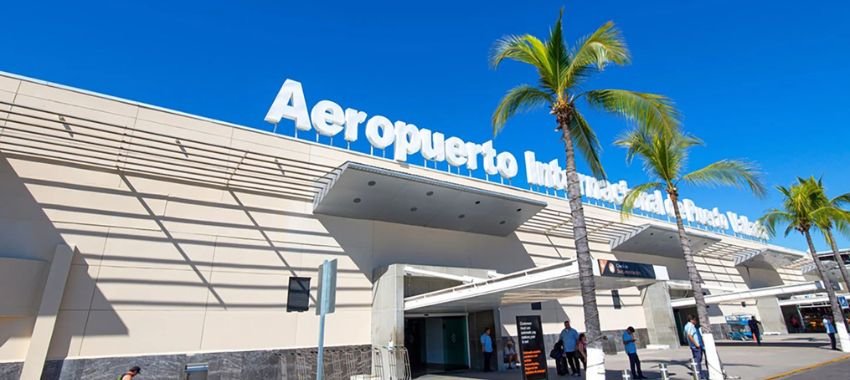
(808, 367)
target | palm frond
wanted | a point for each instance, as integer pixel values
(650, 110)
(773, 218)
(729, 173)
(556, 52)
(597, 50)
(633, 195)
(585, 140)
(522, 97)
(526, 49)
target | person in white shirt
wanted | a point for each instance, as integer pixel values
(830, 330)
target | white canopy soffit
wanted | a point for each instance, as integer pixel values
(773, 291)
(546, 283)
(660, 240)
(366, 192)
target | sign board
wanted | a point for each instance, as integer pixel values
(613, 268)
(327, 288)
(532, 352)
(298, 294)
(329, 119)
(842, 301)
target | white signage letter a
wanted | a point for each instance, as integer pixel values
(290, 104)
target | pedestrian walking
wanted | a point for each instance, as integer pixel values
(131, 373)
(829, 326)
(569, 336)
(487, 349)
(754, 328)
(582, 349)
(695, 343)
(630, 343)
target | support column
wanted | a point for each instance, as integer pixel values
(770, 315)
(388, 306)
(45, 321)
(660, 323)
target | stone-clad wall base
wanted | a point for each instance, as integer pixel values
(611, 345)
(340, 363)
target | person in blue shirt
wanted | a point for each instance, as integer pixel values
(487, 349)
(569, 336)
(830, 330)
(630, 344)
(695, 342)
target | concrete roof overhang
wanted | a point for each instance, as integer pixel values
(773, 291)
(765, 259)
(367, 192)
(653, 239)
(546, 283)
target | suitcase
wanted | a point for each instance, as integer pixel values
(561, 366)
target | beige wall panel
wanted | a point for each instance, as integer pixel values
(258, 256)
(245, 138)
(64, 178)
(155, 249)
(257, 329)
(9, 84)
(207, 219)
(68, 334)
(89, 241)
(280, 206)
(125, 332)
(15, 335)
(157, 191)
(76, 115)
(34, 239)
(76, 105)
(251, 291)
(199, 125)
(315, 255)
(150, 289)
(79, 288)
(21, 283)
(343, 327)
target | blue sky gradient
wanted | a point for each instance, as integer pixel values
(764, 81)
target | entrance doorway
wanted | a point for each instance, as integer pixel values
(681, 316)
(436, 344)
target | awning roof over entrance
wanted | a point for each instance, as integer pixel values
(367, 192)
(546, 283)
(773, 291)
(660, 240)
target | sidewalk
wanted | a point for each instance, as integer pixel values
(743, 360)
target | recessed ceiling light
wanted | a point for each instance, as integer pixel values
(371, 183)
(356, 200)
(518, 210)
(461, 216)
(478, 202)
(413, 209)
(430, 193)
(502, 222)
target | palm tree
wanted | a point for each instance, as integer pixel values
(560, 72)
(664, 157)
(837, 219)
(803, 207)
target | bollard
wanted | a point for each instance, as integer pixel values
(697, 375)
(664, 374)
(626, 375)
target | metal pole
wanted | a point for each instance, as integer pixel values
(626, 375)
(664, 374)
(697, 374)
(325, 294)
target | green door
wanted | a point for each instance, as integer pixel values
(454, 343)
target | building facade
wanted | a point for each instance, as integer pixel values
(135, 235)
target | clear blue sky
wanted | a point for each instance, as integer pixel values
(765, 81)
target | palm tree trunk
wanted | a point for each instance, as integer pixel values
(837, 314)
(585, 261)
(838, 260)
(693, 274)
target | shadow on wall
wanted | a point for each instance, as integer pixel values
(28, 233)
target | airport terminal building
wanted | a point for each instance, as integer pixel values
(135, 235)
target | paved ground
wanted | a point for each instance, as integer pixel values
(838, 370)
(778, 354)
